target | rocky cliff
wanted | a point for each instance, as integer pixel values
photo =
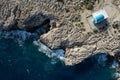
(64, 22)
(26, 15)
(32, 14)
(79, 46)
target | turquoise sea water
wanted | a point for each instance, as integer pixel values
(25, 62)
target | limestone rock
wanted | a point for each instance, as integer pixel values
(76, 55)
(23, 14)
(31, 14)
(118, 79)
(63, 37)
(79, 46)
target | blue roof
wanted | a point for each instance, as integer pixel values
(98, 18)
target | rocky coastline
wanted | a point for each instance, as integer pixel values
(56, 28)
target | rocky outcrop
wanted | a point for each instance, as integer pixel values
(23, 14)
(77, 54)
(64, 19)
(64, 37)
(79, 46)
(31, 14)
(118, 79)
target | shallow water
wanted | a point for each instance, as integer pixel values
(24, 62)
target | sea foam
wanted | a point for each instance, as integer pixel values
(16, 34)
(50, 53)
(114, 64)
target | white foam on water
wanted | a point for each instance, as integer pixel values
(116, 75)
(43, 48)
(102, 58)
(21, 36)
(114, 64)
(60, 53)
(16, 34)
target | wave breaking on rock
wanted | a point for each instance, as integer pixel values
(50, 53)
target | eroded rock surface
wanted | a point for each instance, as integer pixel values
(23, 14)
(31, 14)
(69, 28)
(64, 37)
(77, 54)
(80, 45)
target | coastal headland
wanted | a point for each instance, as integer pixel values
(65, 24)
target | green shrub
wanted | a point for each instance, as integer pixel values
(62, 1)
(89, 4)
(95, 31)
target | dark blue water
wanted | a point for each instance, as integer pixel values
(25, 62)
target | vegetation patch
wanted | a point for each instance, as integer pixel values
(62, 1)
(89, 4)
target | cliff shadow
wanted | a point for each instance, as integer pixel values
(37, 21)
(95, 67)
(100, 59)
(103, 25)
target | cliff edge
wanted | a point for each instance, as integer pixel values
(66, 25)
